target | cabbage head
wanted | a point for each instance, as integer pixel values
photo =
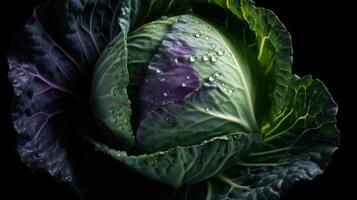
(167, 99)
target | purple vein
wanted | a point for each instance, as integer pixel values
(82, 46)
(49, 116)
(92, 38)
(39, 113)
(90, 31)
(41, 92)
(62, 134)
(55, 86)
(59, 66)
(78, 66)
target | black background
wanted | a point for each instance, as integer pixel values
(321, 37)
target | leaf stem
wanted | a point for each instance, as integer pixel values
(263, 164)
(231, 183)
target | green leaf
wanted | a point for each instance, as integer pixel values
(266, 180)
(308, 116)
(266, 40)
(111, 82)
(298, 147)
(188, 165)
(109, 99)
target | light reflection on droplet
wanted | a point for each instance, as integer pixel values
(192, 59)
(213, 59)
(211, 79)
(220, 52)
(205, 58)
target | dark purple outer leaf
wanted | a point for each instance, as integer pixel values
(51, 62)
(169, 77)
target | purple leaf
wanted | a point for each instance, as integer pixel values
(170, 77)
(50, 67)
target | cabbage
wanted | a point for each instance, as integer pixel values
(190, 99)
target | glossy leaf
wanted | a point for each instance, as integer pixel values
(198, 91)
(300, 149)
(51, 74)
(188, 165)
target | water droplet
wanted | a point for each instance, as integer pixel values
(217, 74)
(164, 17)
(176, 61)
(206, 38)
(158, 71)
(166, 94)
(197, 35)
(211, 79)
(205, 58)
(223, 84)
(230, 91)
(213, 59)
(214, 46)
(115, 91)
(162, 79)
(112, 110)
(114, 120)
(220, 52)
(171, 120)
(184, 85)
(208, 109)
(201, 31)
(210, 85)
(192, 59)
(229, 55)
(188, 77)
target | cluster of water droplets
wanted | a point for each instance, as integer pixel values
(119, 117)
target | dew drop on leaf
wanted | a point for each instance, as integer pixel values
(211, 79)
(114, 120)
(171, 120)
(198, 35)
(205, 58)
(213, 59)
(217, 74)
(115, 91)
(220, 52)
(192, 59)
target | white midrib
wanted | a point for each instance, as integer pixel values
(243, 81)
